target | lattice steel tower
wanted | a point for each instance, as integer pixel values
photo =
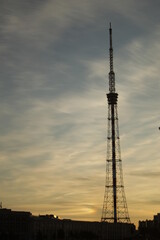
(115, 205)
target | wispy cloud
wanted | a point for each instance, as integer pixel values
(146, 174)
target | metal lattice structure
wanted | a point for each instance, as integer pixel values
(115, 205)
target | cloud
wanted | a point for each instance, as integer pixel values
(145, 174)
(51, 17)
(136, 13)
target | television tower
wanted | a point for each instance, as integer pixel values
(115, 205)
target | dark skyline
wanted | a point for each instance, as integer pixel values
(54, 78)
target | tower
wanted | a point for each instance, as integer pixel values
(115, 205)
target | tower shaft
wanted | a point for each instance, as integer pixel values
(114, 165)
(115, 205)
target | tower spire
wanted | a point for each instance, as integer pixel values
(111, 73)
(115, 205)
(111, 49)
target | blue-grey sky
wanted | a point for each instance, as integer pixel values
(53, 108)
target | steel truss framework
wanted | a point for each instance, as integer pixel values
(114, 205)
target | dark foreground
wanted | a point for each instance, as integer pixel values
(18, 225)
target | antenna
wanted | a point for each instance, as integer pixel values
(111, 73)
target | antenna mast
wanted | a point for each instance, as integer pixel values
(111, 73)
(115, 205)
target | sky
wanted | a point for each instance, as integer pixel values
(53, 108)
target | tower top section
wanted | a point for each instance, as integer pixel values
(111, 73)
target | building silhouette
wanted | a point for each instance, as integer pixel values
(20, 225)
(15, 225)
(150, 229)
